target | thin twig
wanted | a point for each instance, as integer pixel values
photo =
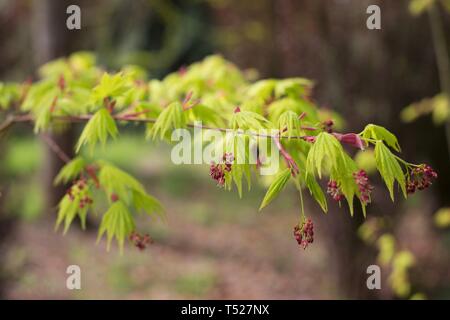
(7, 123)
(83, 118)
(290, 162)
(55, 147)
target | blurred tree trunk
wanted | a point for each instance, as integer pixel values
(291, 33)
(52, 39)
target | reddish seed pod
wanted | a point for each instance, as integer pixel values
(334, 191)
(140, 241)
(304, 233)
(61, 83)
(364, 186)
(420, 178)
(217, 171)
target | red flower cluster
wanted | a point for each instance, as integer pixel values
(217, 171)
(365, 188)
(85, 199)
(420, 178)
(304, 234)
(334, 191)
(140, 241)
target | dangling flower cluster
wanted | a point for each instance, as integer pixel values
(420, 178)
(365, 188)
(79, 186)
(304, 234)
(140, 241)
(334, 191)
(217, 171)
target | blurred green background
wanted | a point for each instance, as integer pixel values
(215, 245)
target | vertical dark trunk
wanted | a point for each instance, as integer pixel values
(296, 51)
(7, 228)
(52, 39)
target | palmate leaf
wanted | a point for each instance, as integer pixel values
(76, 102)
(35, 93)
(372, 131)
(67, 211)
(43, 108)
(98, 128)
(119, 182)
(248, 120)
(290, 121)
(206, 115)
(43, 116)
(69, 208)
(327, 154)
(323, 154)
(263, 89)
(70, 171)
(298, 106)
(316, 192)
(117, 223)
(172, 117)
(276, 187)
(110, 86)
(237, 145)
(389, 168)
(9, 93)
(238, 172)
(342, 173)
(255, 105)
(146, 203)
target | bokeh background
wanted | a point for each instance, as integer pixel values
(213, 244)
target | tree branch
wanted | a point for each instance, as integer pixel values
(55, 147)
(133, 118)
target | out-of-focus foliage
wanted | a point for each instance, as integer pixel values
(365, 160)
(438, 106)
(397, 262)
(442, 218)
(9, 92)
(417, 7)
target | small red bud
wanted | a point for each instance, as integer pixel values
(61, 82)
